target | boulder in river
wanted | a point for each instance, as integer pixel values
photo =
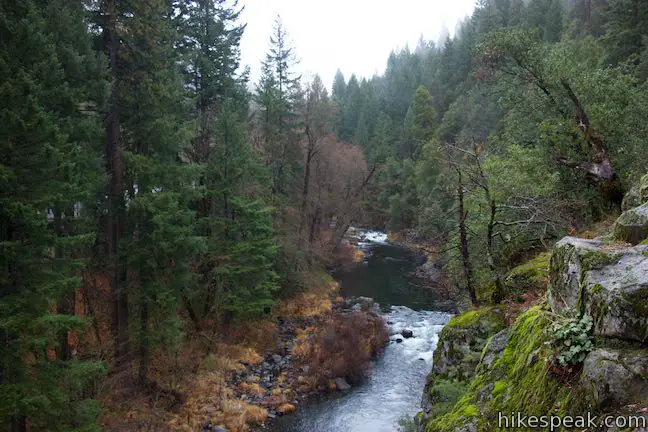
(342, 385)
(407, 333)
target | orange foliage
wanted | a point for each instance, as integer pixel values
(343, 346)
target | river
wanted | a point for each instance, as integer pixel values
(394, 387)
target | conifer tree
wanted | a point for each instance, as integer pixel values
(151, 188)
(237, 277)
(278, 93)
(52, 86)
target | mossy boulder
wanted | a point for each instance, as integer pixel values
(637, 195)
(632, 225)
(457, 354)
(608, 281)
(529, 276)
(512, 376)
(616, 377)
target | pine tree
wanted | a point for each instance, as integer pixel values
(278, 94)
(338, 96)
(48, 147)
(154, 243)
(230, 285)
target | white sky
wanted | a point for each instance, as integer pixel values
(353, 35)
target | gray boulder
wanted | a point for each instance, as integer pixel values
(637, 195)
(616, 377)
(342, 384)
(610, 281)
(632, 225)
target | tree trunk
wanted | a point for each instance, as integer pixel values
(115, 168)
(144, 343)
(463, 236)
(307, 169)
(498, 292)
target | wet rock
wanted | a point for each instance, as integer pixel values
(610, 281)
(342, 384)
(407, 333)
(616, 377)
(365, 304)
(399, 340)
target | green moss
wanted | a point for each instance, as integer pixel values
(532, 274)
(597, 288)
(473, 317)
(597, 259)
(444, 394)
(518, 380)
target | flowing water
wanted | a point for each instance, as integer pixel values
(394, 387)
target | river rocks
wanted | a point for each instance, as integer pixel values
(610, 281)
(364, 304)
(407, 333)
(616, 377)
(632, 225)
(342, 385)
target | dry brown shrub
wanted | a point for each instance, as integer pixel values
(344, 346)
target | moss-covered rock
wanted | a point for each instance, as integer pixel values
(632, 225)
(512, 376)
(531, 275)
(609, 282)
(637, 195)
(616, 377)
(457, 354)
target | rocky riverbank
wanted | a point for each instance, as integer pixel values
(301, 366)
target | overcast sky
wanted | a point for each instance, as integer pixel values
(353, 35)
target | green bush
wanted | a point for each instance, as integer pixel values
(570, 339)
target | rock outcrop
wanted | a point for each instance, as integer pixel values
(457, 355)
(482, 370)
(609, 281)
(614, 377)
(637, 195)
(632, 225)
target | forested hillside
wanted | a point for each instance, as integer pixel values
(148, 193)
(152, 195)
(528, 123)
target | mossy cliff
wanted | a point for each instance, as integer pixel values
(482, 369)
(457, 355)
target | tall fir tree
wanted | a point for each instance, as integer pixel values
(52, 88)
(150, 228)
